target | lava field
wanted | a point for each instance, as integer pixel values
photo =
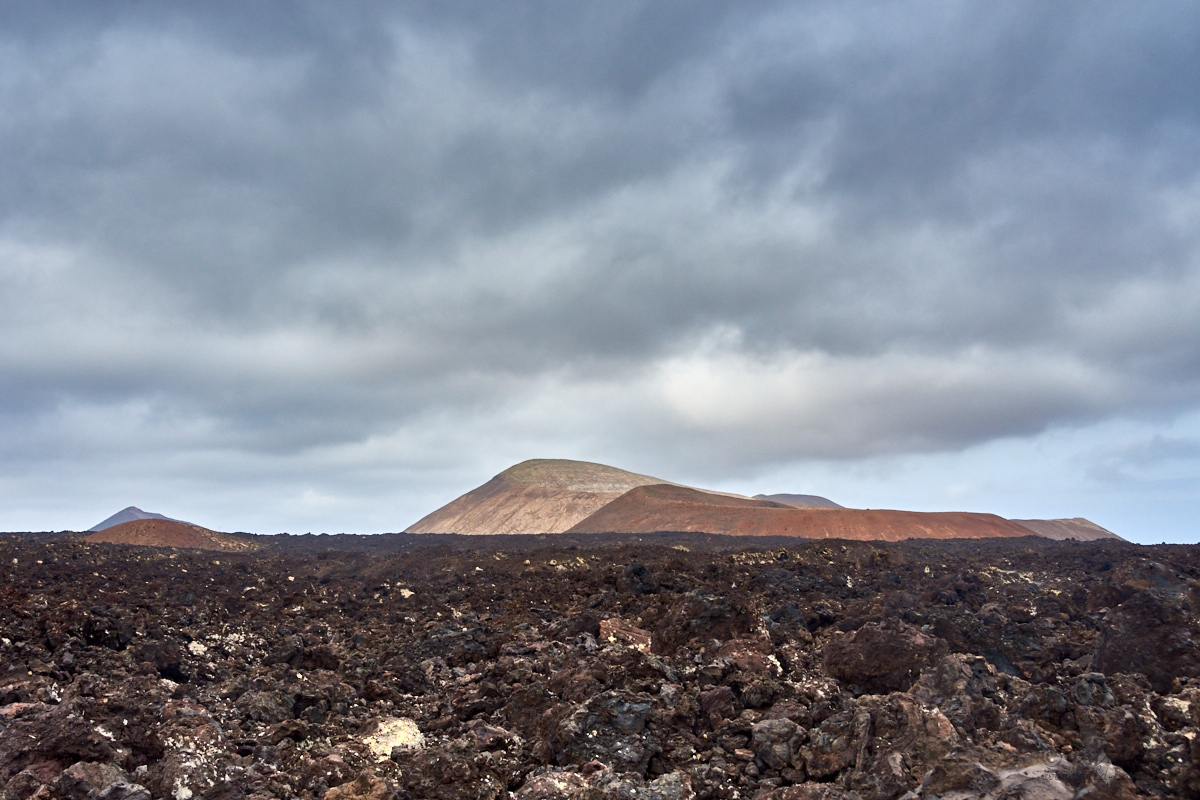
(599, 668)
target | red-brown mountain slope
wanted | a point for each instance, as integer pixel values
(1078, 528)
(648, 509)
(169, 533)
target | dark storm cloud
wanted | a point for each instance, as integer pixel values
(275, 228)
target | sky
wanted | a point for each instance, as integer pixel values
(325, 266)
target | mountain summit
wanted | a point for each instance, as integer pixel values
(127, 515)
(170, 533)
(799, 500)
(542, 495)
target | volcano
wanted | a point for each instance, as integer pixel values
(650, 509)
(542, 495)
(560, 496)
(170, 533)
(127, 515)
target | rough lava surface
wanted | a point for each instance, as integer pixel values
(669, 667)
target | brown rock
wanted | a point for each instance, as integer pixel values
(880, 658)
(552, 786)
(88, 780)
(1154, 632)
(834, 744)
(364, 787)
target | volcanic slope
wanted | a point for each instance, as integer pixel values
(1078, 528)
(169, 533)
(127, 515)
(800, 500)
(544, 495)
(650, 509)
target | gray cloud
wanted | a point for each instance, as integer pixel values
(742, 236)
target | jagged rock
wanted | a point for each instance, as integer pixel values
(1154, 632)
(777, 743)
(609, 728)
(604, 784)
(364, 787)
(264, 706)
(700, 616)
(966, 689)
(808, 791)
(638, 579)
(881, 657)
(835, 744)
(87, 780)
(552, 786)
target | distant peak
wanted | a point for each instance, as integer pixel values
(127, 514)
(561, 473)
(799, 500)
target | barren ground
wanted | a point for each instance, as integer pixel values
(598, 667)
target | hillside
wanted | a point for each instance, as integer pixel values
(800, 500)
(537, 496)
(559, 496)
(127, 515)
(169, 533)
(648, 509)
(1077, 528)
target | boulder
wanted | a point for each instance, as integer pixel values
(881, 657)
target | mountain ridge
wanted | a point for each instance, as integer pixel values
(540, 495)
(543, 496)
(659, 508)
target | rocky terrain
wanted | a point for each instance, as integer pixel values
(599, 667)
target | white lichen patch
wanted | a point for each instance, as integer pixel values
(197, 648)
(406, 593)
(394, 732)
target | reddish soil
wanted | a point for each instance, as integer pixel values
(169, 533)
(649, 509)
